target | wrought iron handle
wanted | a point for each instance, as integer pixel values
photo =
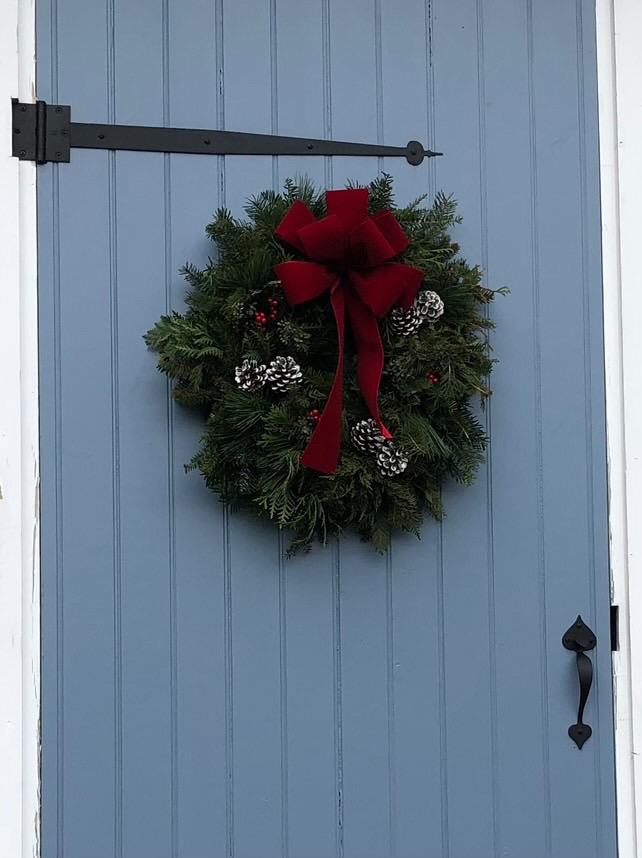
(579, 639)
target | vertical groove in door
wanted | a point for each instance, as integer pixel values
(227, 547)
(173, 622)
(443, 727)
(118, 644)
(282, 582)
(327, 86)
(283, 680)
(537, 365)
(274, 90)
(220, 92)
(173, 630)
(229, 687)
(431, 134)
(338, 696)
(390, 658)
(60, 616)
(117, 572)
(490, 553)
(588, 399)
(378, 76)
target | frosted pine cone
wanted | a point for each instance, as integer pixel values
(283, 373)
(391, 461)
(250, 375)
(366, 437)
(405, 322)
(429, 306)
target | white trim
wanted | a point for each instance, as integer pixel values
(620, 100)
(19, 465)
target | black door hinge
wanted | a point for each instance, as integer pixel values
(44, 133)
(615, 628)
(41, 132)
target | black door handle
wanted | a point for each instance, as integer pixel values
(579, 639)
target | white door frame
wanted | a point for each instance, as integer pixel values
(620, 94)
(620, 101)
(19, 475)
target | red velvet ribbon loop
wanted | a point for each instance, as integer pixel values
(370, 286)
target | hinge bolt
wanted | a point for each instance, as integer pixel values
(22, 153)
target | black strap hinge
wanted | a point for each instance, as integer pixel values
(44, 133)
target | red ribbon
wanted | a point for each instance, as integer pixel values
(349, 254)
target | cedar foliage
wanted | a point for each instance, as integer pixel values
(252, 442)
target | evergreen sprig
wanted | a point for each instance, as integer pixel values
(252, 441)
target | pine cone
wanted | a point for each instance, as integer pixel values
(250, 376)
(429, 306)
(405, 323)
(391, 461)
(397, 371)
(283, 373)
(366, 437)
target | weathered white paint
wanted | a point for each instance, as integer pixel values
(19, 541)
(620, 95)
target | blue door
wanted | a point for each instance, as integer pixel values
(202, 696)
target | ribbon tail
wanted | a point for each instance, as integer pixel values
(369, 355)
(322, 452)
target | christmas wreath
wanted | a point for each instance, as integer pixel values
(333, 345)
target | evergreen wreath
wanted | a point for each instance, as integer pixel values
(262, 371)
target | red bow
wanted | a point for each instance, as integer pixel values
(349, 255)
